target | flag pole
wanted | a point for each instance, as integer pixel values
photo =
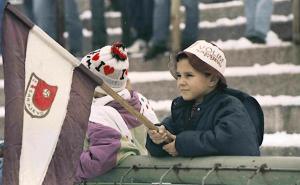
(128, 107)
(141, 118)
(131, 110)
(98, 80)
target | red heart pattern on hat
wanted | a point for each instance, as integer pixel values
(96, 57)
(108, 70)
(111, 63)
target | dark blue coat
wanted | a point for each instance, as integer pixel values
(220, 125)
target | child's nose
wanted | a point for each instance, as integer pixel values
(181, 81)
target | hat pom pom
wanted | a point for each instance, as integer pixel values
(117, 50)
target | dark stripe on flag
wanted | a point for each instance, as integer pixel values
(69, 147)
(65, 159)
(14, 39)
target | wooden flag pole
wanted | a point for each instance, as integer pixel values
(141, 118)
(119, 99)
(128, 107)
(131, 110)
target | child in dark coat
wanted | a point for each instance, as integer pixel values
(204, 119)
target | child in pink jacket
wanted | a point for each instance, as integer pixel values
(113, 134)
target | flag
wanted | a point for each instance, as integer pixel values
(48, 96)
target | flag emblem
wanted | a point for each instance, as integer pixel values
(39, 97)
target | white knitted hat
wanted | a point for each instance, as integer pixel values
(110, 63)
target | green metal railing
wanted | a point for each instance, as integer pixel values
(231, 170)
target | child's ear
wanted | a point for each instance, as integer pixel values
(213, 81)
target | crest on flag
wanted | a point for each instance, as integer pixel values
(39, 97)
(46, 112)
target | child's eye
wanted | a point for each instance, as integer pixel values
(207, 74)
(189, 75)
(178, 75)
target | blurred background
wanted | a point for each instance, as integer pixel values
(259, 37)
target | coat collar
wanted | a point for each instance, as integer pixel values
(207, 100)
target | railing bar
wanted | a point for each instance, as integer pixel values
(216, 166)
(259, 169)
(224, 168)
(127, 172)
(165, 174)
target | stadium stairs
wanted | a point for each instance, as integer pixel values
(280, 116)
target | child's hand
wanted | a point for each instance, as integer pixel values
(159, 136)
(170, 148)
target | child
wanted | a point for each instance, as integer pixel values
(113, 134)
(204, 120)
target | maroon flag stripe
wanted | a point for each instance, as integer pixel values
(62, 167)
(14, 40)
(66, 156)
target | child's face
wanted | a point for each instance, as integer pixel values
(192, 84)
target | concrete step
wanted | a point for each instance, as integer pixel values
(254, 54)
(233, 9)
(284, 53)
(282, 84)
(282, 118)
(220, 32)
(282, 29)
(258, 54)
(280, 151)
(215, 1)
(208, 12)
(277, 118)
(214, 14)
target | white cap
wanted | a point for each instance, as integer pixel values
(204, 53)
(209, 53)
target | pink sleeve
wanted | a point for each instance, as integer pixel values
(101, 155)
